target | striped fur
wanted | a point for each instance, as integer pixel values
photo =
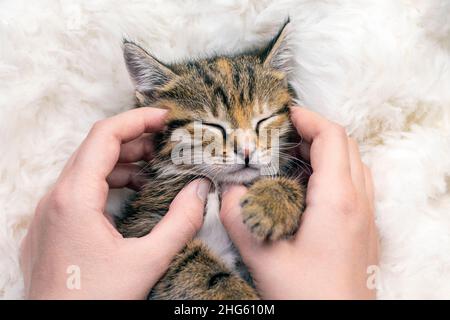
(238, 100)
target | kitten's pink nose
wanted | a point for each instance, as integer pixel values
(246, 156)
(244, 147)
(246, 152)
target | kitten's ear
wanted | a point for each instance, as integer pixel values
(278, 53)
(147, 73)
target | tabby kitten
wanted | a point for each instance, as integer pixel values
(243, 102)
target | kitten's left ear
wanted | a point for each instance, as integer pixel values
(148, 74)
(278, 54)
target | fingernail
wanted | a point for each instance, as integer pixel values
(203, 189)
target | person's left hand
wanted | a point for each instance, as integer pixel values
(72, 236)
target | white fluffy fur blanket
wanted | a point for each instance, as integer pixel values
(381, 68)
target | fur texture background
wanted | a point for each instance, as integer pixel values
(379, 67)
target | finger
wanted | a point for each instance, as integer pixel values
(356, 166)
(136, 150)
(183, 220)
(99, 152)
(309, 125)
(126, 175)
(369, 185)
(231, 217)
(374, 245)
(329, 154)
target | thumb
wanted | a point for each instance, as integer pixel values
(231, 217)
(180, 224)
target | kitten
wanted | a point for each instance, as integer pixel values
(243, 102)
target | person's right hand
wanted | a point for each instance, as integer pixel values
(337, 239)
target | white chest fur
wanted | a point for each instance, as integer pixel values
(214, 234)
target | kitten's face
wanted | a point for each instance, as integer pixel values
(228, 116)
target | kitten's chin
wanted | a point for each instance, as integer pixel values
(244, 175)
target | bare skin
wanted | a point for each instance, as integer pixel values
(337, 239)
(327, 258)
(70, 227)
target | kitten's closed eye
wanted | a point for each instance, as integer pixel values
(240, 97)
(217, 126)
(260, 122)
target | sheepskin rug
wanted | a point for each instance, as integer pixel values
(381, 68)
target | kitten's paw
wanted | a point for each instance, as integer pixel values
(272, 208)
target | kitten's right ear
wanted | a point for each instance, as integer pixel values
(148, 74)
(278, 55)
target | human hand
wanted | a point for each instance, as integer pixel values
(337, 239)
(71, 228)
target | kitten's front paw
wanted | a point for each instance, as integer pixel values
(272, 208)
